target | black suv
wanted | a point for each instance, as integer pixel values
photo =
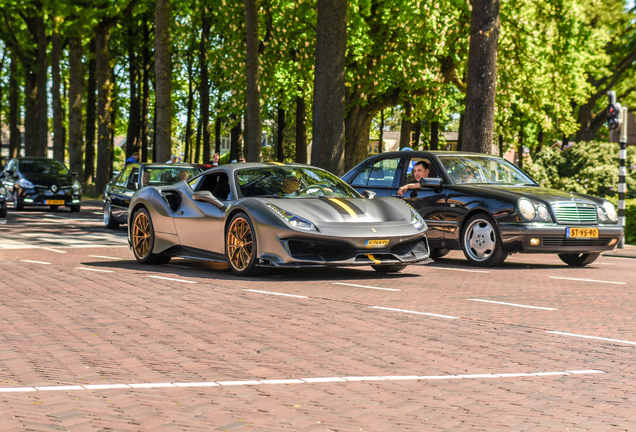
(37, 181)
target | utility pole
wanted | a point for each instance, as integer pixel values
(621, 174)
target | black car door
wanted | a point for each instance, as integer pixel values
(378, 176)
(122, 190)
(429, 202)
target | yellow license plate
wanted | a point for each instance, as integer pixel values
(54, 202)
(376, 242)
(581, 232)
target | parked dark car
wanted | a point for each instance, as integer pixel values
(121, 188)
(489, 208)
(38, 181)
(3, 201)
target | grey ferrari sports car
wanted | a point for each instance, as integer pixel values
(255, 216)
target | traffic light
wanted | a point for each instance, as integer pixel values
(613, 112)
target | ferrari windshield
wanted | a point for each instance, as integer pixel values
(472, 169)
(291, 182)
(42, 166)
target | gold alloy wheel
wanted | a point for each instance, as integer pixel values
(141, 235)
(239, 244)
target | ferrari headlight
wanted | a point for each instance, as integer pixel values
(543, 213)
(610, 211)
(526, 208)
(293, 220)
(77, 186)
(416, 219)
(25, 184)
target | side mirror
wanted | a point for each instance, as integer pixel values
(368, 194)
(134, 186)
(206, 196)
(431, 183)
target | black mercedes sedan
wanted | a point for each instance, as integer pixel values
(40, 181)
(134, 176)
(488, 208)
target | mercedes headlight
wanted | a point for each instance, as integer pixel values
(543, 213)
(293, 220)
(25, 184)
(526, 208)
(416, 219)
(77, 186)
(610, 211)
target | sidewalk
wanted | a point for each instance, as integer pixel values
(628, 251)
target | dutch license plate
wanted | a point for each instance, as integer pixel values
(54, 202)
(376, 242)
(581, 232)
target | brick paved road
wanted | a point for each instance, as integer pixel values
(188, 346)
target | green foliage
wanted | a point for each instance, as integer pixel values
(587, 167)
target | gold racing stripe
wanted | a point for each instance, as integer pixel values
(346, 207)
(372, 258)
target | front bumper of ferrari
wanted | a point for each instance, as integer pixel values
(296, 249)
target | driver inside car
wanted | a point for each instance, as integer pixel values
(291, 186)
(420, 170)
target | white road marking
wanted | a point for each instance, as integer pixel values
(36, 262)
(414, 312)
(588, 280)
(315, 380)
(172, 279)
(95, 270)
(591, 337)
(105, 257)
(177, 265)
(53, 250)
(458, 269)
(365, 286)
(274, 293)
(513, 304)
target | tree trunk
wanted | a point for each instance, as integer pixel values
(301, 131)
(405, 129)
(43, 105)
(540, 141)
(357, 127)
(197, 151)
(163, 80)
(154, 133)
(113, 120)
(14, 131)
(417, 131)
(31, 115)
(188, 132)
(104, 108)
(217, 136)
(235, 136)
(91, 88)
(481, 81)
(58, 114)
(381, 140)
(434, 135)
(253, 126)
(328, 150)
(520, 149)
(280, 139)
(460, 134)
(145, 98)
(501, 145)
(204, 93)
(134, 111)
(75, 92)
(565, 142)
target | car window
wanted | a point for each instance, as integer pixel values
(483, 169)
(217, 184)
(42, 166)
(380, 174)
(122, 180)
(164, 176)
(410, 178)
(133, 180)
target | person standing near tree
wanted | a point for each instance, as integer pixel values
(133, 159)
